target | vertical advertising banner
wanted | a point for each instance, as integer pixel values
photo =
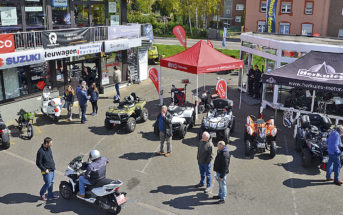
(271, 16)
(224, 37)
(180, 34)
(153, 75)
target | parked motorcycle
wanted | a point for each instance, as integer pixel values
(51, 107)
(4, 135)
(259, 136)
(105, 193)
(25, 120)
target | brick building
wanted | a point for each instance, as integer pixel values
(335, 22)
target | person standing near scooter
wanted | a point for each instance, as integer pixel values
(334, 150)
(45, 162)
(94, 97)
(83, 103)
(69, 99)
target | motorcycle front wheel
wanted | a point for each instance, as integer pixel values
(29, 131)
(66, 190)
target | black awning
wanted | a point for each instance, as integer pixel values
(315, 70)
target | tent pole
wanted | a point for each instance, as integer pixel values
(203, 82)
(313, 98)
(240, 94)
(196, 99)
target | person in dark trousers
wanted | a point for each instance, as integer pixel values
(96, 171)
(257, 80)
(251, 81)
(166, 131)
(221, 167)
(69, 99)
(45, 162)
(205, 156)
(78, 94)
(83, 103)
(334, 149)
(86, 75)
(117, 79)
(94, 97)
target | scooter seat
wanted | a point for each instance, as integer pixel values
(101, 183)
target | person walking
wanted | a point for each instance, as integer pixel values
(257, 80)
(117, 79)
(251, 81)
(45, 162)
(83, 103)
(334, 149)
(205, 156)
(221, 167)
(69, 99)
(94, 97)
(166, 131)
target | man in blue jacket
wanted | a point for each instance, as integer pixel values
(334, 150)
(83, 103)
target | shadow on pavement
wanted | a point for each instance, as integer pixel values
(191, 141)
(149, 136)
(175, 190)
(138, 156)
(78, 207)
(101, 130)
(296, 167)
(18, 198)
(190, 202)
(302, 183)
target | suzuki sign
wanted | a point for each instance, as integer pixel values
(23, 58)
(6, 43)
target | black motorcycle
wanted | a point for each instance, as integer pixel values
(206, 101)
(4, 135)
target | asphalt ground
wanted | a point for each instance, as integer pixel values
(160, 185)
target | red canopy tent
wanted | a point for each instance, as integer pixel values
(201, 58)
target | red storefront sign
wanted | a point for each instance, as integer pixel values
(6, 43)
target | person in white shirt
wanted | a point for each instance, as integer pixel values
(117, 79)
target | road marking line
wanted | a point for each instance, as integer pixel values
(149, 161)
(153, 208)
(100, 141)
(28, 160)
(12, 143)
(39, 131)
(291, 177)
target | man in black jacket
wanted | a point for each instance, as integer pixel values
(221, 167)
(251, 81)
(257, 81)
(46, 164)
(165, 128)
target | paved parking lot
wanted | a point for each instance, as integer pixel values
(159, 185)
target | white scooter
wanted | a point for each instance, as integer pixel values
(51, 106)
(104, 193)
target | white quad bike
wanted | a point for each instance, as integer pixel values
(219, 121)
(105, 193)
(51, 107)
(183, 117)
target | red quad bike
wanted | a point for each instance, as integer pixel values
(259, 136)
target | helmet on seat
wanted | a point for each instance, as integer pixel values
(129, 99)
(94, 154)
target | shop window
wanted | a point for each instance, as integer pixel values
(35, 16)
(286, 7)
(306, 29)
(238, 19)
(98, 14)
(10, 14)
(239, 6)
(261, 26)
(340, 33)
(81, 15)
(263, 6)
(309, 8)
(284, 28)
(61, 17)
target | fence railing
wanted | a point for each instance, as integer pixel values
(33, 39)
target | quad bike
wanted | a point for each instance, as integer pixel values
(105, 193)
(220, 121)
(183, 118)
(127, 113)
(4, 135)
(25, 120)
(259, 136)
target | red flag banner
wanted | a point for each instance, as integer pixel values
(6, 43)
(209, 43)
(153, 75)
(221, 89)
(180, 34)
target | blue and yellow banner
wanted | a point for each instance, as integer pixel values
(271, 16)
